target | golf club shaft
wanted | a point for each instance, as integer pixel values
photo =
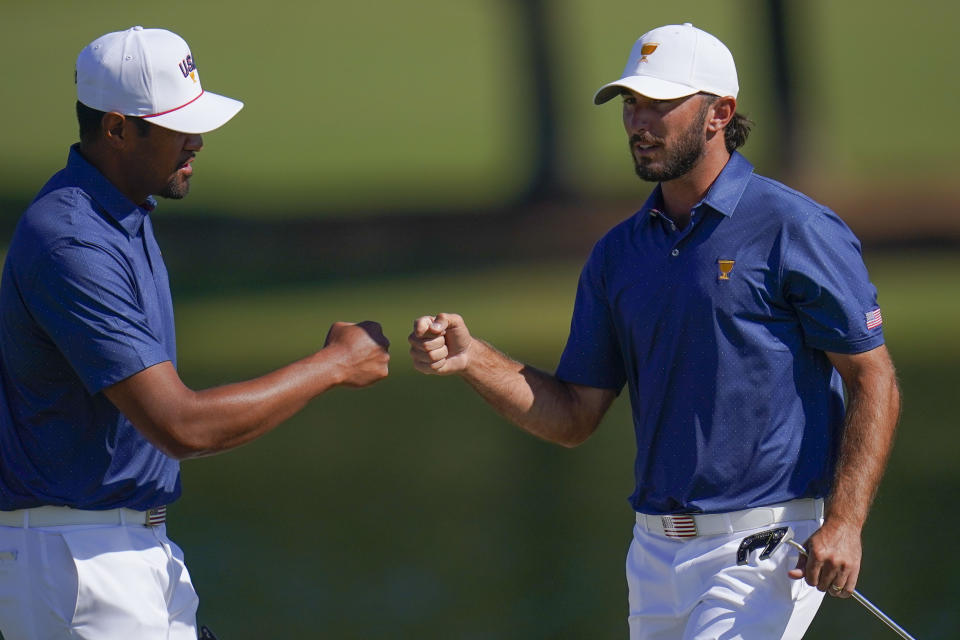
(866, 603)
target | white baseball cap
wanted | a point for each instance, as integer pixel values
(151, 74)
(675, 61)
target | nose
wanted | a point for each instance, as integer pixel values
(194, 142)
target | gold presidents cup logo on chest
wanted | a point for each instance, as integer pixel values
(725, 266)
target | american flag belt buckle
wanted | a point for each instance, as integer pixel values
(156, 516)
(679, 526)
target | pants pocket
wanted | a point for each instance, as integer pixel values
(120, 584)
(130, 585)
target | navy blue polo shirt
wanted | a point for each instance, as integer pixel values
(84, 303)
(720, 331)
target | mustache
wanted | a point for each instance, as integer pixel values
(645, 138)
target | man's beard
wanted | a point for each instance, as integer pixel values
(681, 159)
(176, 188)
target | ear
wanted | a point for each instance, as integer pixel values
(113, 127)
(722, 111)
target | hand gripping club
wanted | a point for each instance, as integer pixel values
(771, 539)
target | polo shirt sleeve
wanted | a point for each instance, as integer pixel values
(592, 356)
(827, 284)
(85, 298)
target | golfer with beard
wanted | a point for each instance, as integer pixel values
(735, 310)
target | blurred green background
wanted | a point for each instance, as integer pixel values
(389, 163)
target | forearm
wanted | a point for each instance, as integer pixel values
(536, 401)
(870, 423)
(532, 399)
(186, 423)
(225, 417)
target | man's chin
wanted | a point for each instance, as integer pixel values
(647, 173)
(175, 190)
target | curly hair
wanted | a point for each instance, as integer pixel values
(736, 132)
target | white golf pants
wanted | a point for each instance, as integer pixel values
(694, 590)
(94, 582)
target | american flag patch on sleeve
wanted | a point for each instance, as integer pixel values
(874, 319)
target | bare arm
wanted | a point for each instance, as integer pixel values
(185, 423)
(872, 413)
(534, 400)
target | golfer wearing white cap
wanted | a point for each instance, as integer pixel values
(93, 415)
(735, 310)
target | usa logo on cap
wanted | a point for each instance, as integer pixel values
(188, 68)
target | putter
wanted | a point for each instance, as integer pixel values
(771, 539)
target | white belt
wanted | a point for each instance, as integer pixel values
(689, 525)
(49, 516)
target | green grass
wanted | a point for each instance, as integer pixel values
(409, 510)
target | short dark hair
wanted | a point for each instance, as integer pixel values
(90, 120)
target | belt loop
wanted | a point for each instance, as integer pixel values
(818, 508)
(123, 517)
(26, 518)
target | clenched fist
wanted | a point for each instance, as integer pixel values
(362, 350)
(440, 344)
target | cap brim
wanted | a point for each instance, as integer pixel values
(648, 86)
(206, 113)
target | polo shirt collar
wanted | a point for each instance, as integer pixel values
(724, 194)
(128, 215)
